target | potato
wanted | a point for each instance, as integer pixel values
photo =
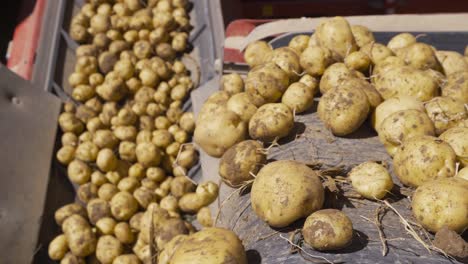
(334, 76)
(106, 160)
(162, 122)
(298, 97)
(173, 149)
(457, 138)
(69, 258)
(463, 173)
(232, 83)
(125, 133)
(127, 151)
(335, 34)
(80, 238)
(58, 247)
(315, 59)
(69, 139)
(451, 61)
(165, 51)
(70, 123)
(109, 110)
(376, 52)
(343, 110)
(87, 192)
(271, 121)
(148, 154)
(362, 35)
(373, 96)
(127, 259)
(105, 225)
(162, 138)
(371, 180)
(456, 87)
(107, 61)
(242, 104)
(77, 78)
(204, 217)
(112, 90)
(256, 52)
(393, 105)
(299, 43)
(179, 41)
(179, 186)
(267, 81)
(240, 162)
(78, 33)
(169, 203)
(406, 80)
(78, 172)
(420, 56)
(128, 184)
(402, 125)
(68, 210)
(358, 61)
(401, 41)
(217, 132)
(86, 65)
(386, 64)
(107, 191)
(187, 158)
(97, 208)
(285, 191)
(123, 233)
(422, 159)
(287, 59)
(445, 112)
(123, 206)
(66, 154)
(205, 194)
(108, 248)
(442, 202)
(213, 245)
(99, 23)
(328, 229)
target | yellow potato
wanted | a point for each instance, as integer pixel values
(310, 82)
(68, 210)
(285, 191)
(271, 121)
(334, 76)
(463, 173)
(299, 43)
(315, 59)
(343, 109)
(402, 125)
(210, 245)
(442, 203)
(66, 154)
(123, 233)
(204, 217)
(148, 154)
(240, 162)
(335, 34)
(328, 229)
(267, 81)
(362, 35)
(371, 180)
(256, 52)
(288, 60)
(445, 112)
(204, 195)
(298, 97)
(78, 172)
(108, 248)
(422, 159)
(373, 96)
(127, 259)
(358, 61)
(457, 138)
(58, 247)
(401, 41)
(420, 56)
(452, 62)
(393, 105)
(376, 52)
(406, 80)
(106, 160)
(457, 86)
(105, 225)
(97, 209)
(80, 237)
(123, 206)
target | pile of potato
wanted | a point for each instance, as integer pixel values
(414, 95)
(126, 140)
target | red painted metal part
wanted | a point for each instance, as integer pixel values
(25, 39)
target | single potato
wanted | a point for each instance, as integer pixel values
(393, 105)
(457, 138)
(445, 112)
(371, 180)
(271, 121)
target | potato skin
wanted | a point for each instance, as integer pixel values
(371, 180)
(271, 121)
(298, 97)
(81, 239)
(422, 159)
(328, 229)
(335, 34)
(58, 247)
(457, 138)
(401, 125)
(219, 131)
(442, 202)
(393, 105)
(445, 112)
(239, 161)
(343, 110)
(210, 245)
(256, 52)
(406, 80)
(362, 35)
(285, 191)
